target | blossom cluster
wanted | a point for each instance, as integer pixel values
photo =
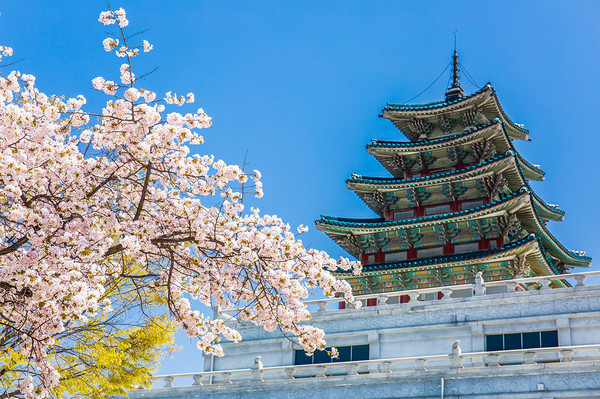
(76, 196)
(5, 52)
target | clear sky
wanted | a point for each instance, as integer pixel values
(299, 86)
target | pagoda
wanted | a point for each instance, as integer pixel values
(459, 201)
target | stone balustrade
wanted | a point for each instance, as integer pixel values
(480, 288)
(395, 366)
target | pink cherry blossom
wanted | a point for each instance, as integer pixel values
(147, 46)
(83, 191)
(109, 43)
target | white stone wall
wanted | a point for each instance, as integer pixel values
(430, 327)
(403, 333)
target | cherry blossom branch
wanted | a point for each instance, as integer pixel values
(144, 192)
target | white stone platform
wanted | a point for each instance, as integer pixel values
(410, 346)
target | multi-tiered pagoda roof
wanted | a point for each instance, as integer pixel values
(458, 201)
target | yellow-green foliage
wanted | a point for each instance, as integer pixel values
(10, 360)
(100, 361)
(101, 364)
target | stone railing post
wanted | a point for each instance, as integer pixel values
(479, 287)
(529, 358)
(414, 296)
(511, 287)
(322, 306)
(257, 370)
(446, 292)
(198, 379)
(353, 369)
(421, 363)
(227, 377)
(289, 373)
(457, 359)
(385, 368)
(321, 371)
(492, 360)
(168, 382)
(567, 356)
(545, 284)
(580, 281)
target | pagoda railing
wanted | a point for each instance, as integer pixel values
(405, 366)
(480, 288)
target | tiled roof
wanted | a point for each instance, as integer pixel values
(391, 180)
(392, 144)
(441, 104)
(556, 244)
(380, 222)
(434, 105)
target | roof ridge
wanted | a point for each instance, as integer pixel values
(435, 104)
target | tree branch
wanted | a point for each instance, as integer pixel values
(140, 206)
(18, 244)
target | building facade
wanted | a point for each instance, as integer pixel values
(513, 344)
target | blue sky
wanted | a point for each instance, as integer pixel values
(299, 86)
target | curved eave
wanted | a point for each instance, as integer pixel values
(485, 97)
(530, 171)
(520, 202)
(508, 164)
(389, 183)
(529, 246)
(551, 244)
(399, 115)
(495, 130)
(547, 211)
(342, 226)
(387, 147)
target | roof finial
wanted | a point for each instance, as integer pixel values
(455, 91)
(455, 32)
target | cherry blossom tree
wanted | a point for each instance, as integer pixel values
(90, 200)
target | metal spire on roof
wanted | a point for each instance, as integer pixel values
(455, 91)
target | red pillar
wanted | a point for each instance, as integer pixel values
(448, 248)
(484, 244)
(389, 215)
(412, 253)
(364, 258)
(499, 242)
(379, 256)
(455, 206)
(420, 211)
